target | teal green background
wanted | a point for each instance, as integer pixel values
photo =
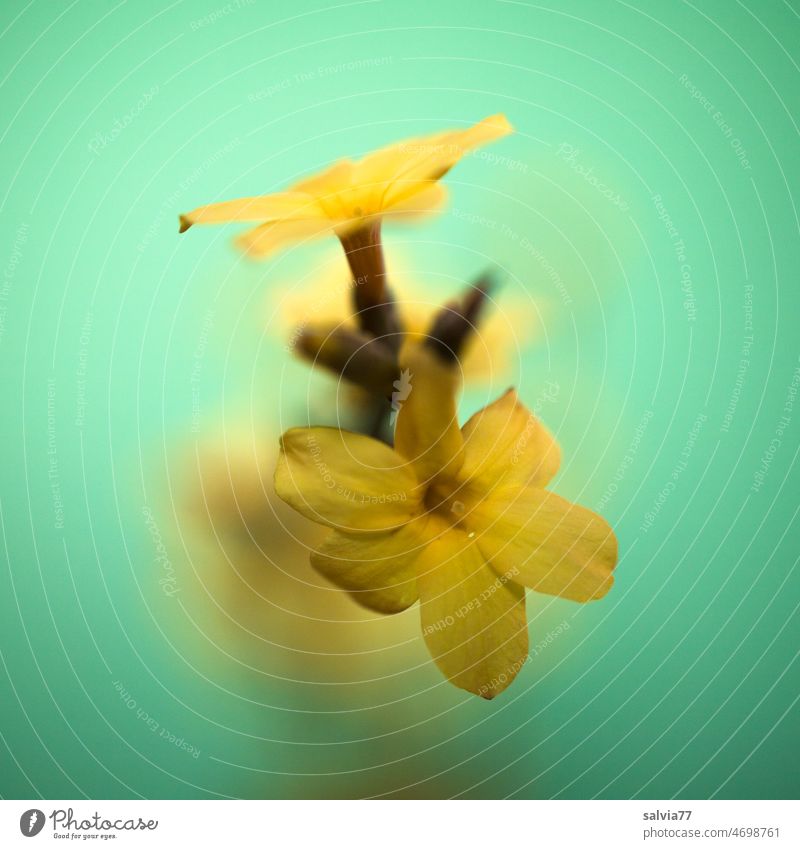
(683, 682)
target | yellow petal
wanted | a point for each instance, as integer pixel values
(545, 542)
(427, 432)
(429, 201)
(377, 569)
(351, 482)
(488, 130)
(334, 179)
(267, 238)
(401, 170)
(277, 207)
(473, 619)
(505, 444)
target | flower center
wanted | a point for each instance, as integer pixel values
(448, 499)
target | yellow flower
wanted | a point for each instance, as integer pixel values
(458, 518)
(399, 180)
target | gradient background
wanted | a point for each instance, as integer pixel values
(162, 634)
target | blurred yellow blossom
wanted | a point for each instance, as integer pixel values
(323, 304)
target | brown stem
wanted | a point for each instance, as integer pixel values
(356, 356)
(456, 322)
(372, 300)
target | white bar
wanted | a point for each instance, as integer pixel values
(403, 824)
